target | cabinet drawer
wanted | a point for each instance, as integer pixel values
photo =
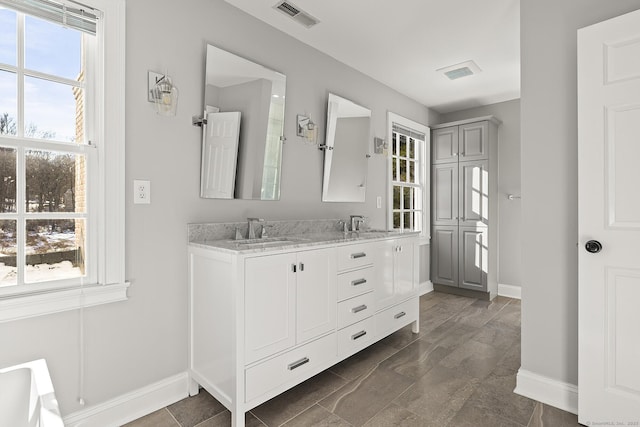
(354, 256)
(294, 364)
(355, 309)
(355, 282)
(356, 337)
(394, 318)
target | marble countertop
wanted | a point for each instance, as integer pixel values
(294, 241)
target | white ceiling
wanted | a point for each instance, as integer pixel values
(402, 43)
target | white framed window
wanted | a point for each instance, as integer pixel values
(61, 155)
(408, 207)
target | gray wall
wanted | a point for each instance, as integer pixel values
(549, 179)
(509, 223)
(135, 343)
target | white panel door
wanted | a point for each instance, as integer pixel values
(316, 294)
(403, 269)
(220, 154)
(609, 221)
(269, 305)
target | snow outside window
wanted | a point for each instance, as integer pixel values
(56, 159)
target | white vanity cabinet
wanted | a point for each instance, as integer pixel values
(261, 322)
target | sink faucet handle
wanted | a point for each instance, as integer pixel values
(251, 234)
(356, 220)
(264, 233)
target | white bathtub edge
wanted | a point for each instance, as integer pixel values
(133, 405)
(41, 389)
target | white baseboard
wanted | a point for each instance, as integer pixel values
(132, 405)
(425, 287)
(510, 291)
(546, 390)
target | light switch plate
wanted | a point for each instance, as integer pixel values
(141, 192)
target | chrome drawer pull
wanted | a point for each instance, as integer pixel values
(298, 363)
(399, 315)
(358, 335)
(358, 255)
(359, 308)
(358, 282)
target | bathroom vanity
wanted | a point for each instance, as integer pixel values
(267, 314)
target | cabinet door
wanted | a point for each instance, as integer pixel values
(403, 269)
(445, 197)
(474, 256)
(444, 255)
(316, 294)
(395, 273)
(445, 145)
(270, 298)
(384, 280)
(473, 141)
(474, 193)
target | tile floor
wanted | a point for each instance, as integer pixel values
(460, 370)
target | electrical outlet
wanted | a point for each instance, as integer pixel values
(141, 192)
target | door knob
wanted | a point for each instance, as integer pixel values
(593, 246)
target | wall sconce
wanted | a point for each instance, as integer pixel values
(306, 129)
(162, 93)
(379, 146)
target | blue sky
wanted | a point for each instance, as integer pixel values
(49, 48)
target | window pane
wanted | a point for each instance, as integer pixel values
(411, 166)
(407, 193)
(407, 221)
(55, 249)
(8, 36)
(402, 152)
(7, 179)
(396, 220)
(50, 48)
(50, 110)
(396, 197)
(55, 181)
(8, 245)
(8, 103)
(412, 148)
(394, 169)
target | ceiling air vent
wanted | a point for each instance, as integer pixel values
(295, 13)
(460, 70)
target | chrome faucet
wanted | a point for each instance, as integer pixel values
(356, 220)
(251, 234)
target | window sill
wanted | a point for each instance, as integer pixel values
(32, 305)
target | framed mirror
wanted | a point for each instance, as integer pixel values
(243, 128)
(346, 151)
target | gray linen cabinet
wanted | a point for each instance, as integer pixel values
(464, 177)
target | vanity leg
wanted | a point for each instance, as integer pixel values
(237, 418)
(194, 387)
(415, 326)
